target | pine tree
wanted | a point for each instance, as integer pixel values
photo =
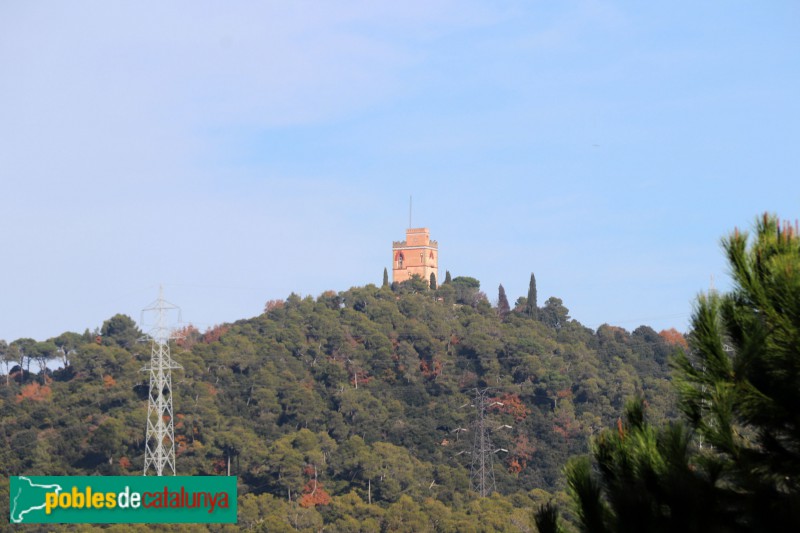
(502, 302)
(735, 464)
(447, 278)
(531, 309)
(546, 519)
(740, 387)
(648, 481)
(385, 277)
(433, 282)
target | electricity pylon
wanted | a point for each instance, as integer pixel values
(159, 450)
(481, 473)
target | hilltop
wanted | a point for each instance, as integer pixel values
(353, 405)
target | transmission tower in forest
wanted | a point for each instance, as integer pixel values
(482, 471)
(159, 453)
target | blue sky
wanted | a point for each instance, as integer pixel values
(238, 152)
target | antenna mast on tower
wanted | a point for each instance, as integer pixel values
(160, 438)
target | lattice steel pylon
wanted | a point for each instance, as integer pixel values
(159, 450)
(481, 474)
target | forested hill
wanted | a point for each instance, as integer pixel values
(351, 408)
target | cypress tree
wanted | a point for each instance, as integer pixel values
(447, 278)
(502, 302)
(385, 277)
(531, 308)
(433, 282)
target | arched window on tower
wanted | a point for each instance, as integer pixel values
(399, 260)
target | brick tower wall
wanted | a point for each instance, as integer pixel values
(418, 254)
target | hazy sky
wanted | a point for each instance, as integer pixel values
(236, 152)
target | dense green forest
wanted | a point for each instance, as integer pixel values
(356, 411)
(351, 410)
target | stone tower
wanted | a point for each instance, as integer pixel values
(418, 254)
